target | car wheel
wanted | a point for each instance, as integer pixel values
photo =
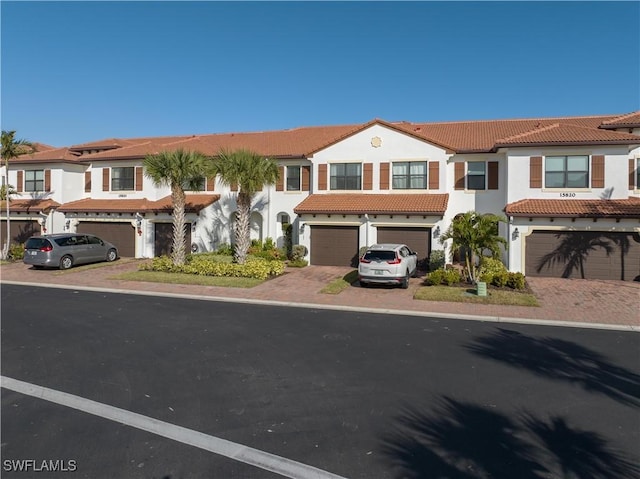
(405, 281)
(66, 262)
(112, 255)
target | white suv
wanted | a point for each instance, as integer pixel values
(387, 264)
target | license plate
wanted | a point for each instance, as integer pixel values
(378, 271)
(33, 253)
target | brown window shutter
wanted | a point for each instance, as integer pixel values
(535, 172)
(105, 179)
(367, 176)
(280, 181)
(459, 175)
(19, 186)
(47, 180)
(322, 177)
(138, 178)
(306, 177)
(234, 186)
(211, 184)
(87, 181)
(493, 178)
(632, 174)
(434, 175)
(384, 176)
(597, 171)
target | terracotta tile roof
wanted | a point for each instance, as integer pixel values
(55, 155)
(29, 206)
(563, 133)
(361, 203)
(482, 136)
(624, 208)
(630, 120)
(195, 203)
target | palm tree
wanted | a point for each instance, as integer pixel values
(177, 169)
(250, 172)
(7, 192)
(472, 234)
(11, 149)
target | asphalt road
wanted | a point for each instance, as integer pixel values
(358, 395)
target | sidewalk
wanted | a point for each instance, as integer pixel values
(563, 301)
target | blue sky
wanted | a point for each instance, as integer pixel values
(74, 72)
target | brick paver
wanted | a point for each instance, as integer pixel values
(569, 300)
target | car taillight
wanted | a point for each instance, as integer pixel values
(362, 260)
(44, 249)
(394, 261)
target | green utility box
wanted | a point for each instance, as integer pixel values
(481, 288)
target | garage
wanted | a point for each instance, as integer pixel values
(163, 239)
(334, 245)
(121, 234)
(417, 239)
(21, 230)
(583, 254)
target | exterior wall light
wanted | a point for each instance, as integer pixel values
(515, 234)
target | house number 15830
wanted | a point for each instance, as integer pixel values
(567, 195)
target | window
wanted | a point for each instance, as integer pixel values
(293, 178)
(34, 180)
(122, 178)
(476, 175)
(410, 175)
(566, 172)
(346, 176)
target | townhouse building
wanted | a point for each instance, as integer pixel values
(568, 186)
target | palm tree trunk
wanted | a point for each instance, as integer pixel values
(5, 248)
(242, 232)
(178, 255)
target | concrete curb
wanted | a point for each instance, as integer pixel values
(358, 309)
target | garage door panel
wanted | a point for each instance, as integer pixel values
(21, 231)
(334, 245)
(588, 254)
(120, 234)
(417, 239)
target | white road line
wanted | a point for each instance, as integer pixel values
(255, 457)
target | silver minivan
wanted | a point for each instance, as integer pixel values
(64, 250)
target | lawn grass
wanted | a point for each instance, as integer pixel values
(467, 295)
(183, 278)
(340, 284)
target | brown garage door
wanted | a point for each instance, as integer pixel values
(123, 235)
(417, 239)
(163, 241)
(334, 245)
(21, 230)
(583, 254)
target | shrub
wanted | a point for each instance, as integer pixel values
(436, 260)
(257, 268)
(298, 252)
(225, 249)
(489, 268)
(500, 279)
(444, 276)
(298, 263)
(16, 251)
(516, 281)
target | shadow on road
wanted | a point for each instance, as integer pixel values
(560, 360)
(462, 440)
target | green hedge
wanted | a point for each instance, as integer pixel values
(257, 268)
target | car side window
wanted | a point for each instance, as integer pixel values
(80, 239)
(94, 240)
(404, 252)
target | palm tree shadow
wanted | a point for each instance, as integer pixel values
(573, 252)
(461, 440)
(560, 360)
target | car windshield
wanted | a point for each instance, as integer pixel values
(36, 243)
(380, 255)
